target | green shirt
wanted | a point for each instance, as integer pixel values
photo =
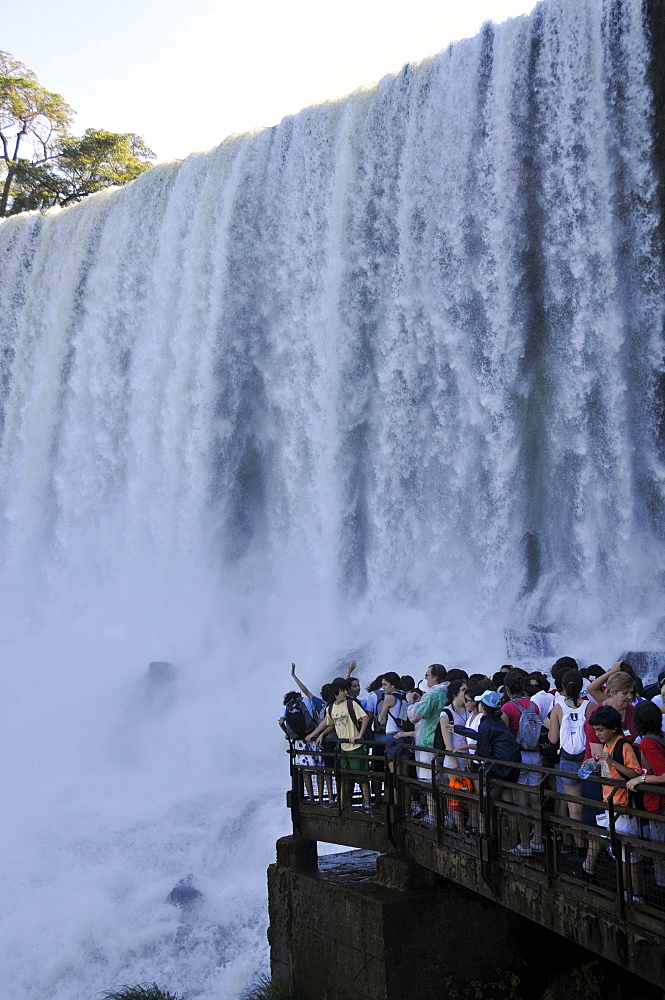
(429, 708)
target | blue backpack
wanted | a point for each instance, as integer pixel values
(530, 724)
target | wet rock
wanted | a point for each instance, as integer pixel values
(532, 643)
(185, 894)
(648, 664)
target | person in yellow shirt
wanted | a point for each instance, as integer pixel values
(349, 720)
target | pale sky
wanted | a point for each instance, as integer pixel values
(184, 75)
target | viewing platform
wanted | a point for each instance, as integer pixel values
(427, 833)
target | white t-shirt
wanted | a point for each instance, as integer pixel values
(544, 700)
(658, 700)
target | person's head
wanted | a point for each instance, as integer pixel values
(391, 682)
(291, 696)
(436, 673)
(471, 694)
(407, 683)
(326, 693)
(592, 671)
(354, 687)
(514, 683)
(564, 663)
(572, 683)
(456, 692)
(497, 679)
(505, 667)
(627, 668)
(531, 686)
(539, 678)
(376, 683)
(489, 702)
(648, 718)
(478, 678)
(339, 688)
(606, 723)
(620, 689)
(457, 675)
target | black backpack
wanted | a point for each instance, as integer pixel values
(402, 724)
(298, 719)
(350, 702)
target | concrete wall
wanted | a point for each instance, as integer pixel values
(385, 931)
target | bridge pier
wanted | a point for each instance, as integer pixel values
(384, 928)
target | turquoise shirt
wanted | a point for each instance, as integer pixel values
(429, 708)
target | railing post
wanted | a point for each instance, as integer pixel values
(546, 827)
(617, 851)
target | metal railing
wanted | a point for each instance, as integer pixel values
(526, 830)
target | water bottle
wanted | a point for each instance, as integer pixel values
(588, 767)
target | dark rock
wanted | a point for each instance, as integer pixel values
(647, 664)
(184, 894)
(161, 672)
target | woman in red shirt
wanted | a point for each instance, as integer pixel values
(648, 721)
(510, 713)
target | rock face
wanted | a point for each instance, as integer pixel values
(529, 644)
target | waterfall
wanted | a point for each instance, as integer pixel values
(384, 377)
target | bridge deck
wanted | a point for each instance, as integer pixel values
(469, 837)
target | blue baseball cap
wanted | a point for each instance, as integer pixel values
(490, 698)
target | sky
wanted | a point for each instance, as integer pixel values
(184, 75)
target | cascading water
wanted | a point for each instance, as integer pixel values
(384, 378)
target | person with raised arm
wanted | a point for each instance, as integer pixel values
(300, 712)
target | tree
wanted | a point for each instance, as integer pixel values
(42, 164)
(30, 116)
(83, 165)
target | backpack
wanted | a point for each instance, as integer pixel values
(528, 730)
(572, 737)
(298, 719)
(636, 799)
(401, 720)
(380, 695)
(350, 702)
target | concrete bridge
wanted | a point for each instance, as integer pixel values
(429, 858)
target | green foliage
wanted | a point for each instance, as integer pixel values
(41, 163)
(147, 992)
(265, 988)
(504, 987)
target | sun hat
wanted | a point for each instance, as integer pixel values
(489, 698)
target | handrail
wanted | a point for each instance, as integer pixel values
(491, 812)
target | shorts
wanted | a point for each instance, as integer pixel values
(398, 748)
(306, 759)
(530, 777)
(354, 760)
(623, 824)
(657, 834)
(424, 757)
(568, 765)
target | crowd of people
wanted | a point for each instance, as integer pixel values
(580, 722)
